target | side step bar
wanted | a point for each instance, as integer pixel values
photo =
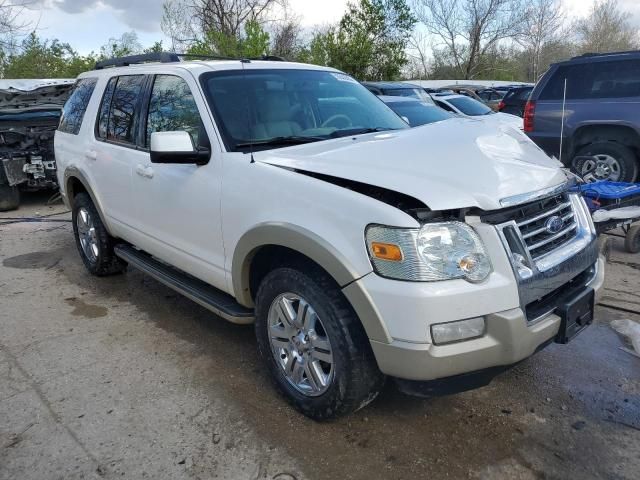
(200, 292)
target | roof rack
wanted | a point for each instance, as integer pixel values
(172, 57)
(591, 54)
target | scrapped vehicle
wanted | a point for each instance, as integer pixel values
(415, 112)
(287, 195)
(597, 115)
(515, 100)
(29, 115)
(468, 107)
(398, 89)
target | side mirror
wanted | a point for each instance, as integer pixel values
(177, 147)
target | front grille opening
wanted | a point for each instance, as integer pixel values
(544, 225)
(553, 299)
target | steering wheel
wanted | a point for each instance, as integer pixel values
(346, 121)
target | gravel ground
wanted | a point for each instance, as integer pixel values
(120, 377)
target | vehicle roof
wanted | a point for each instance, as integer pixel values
(447, 97)
(200, 66)
(601, 57)
(396, 99)
(402, 85)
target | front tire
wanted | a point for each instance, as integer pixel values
(606, 161)
(9, 197)
(94, 243)
(314, 345)
(632, 239)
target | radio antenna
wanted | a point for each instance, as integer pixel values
(564, 101)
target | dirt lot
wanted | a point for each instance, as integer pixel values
(121, 378)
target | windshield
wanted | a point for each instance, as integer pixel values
(469, 106)
(275, 108)
(419, 113)
(416, 93)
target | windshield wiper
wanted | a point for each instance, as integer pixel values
(277, 141)
(357, 131)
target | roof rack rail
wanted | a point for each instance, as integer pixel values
(171, 57)
(592, 54)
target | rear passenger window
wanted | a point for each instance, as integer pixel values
(617, 79)
(121, 119)
(76, 105)
(172, 108)
(103, 116)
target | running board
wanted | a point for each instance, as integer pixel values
(200, 292)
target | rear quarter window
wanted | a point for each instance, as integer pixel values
(611, 79)
(76, 106)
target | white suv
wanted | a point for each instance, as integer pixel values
(289, 195)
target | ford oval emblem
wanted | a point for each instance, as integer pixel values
(554, 224)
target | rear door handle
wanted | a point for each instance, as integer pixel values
(91, 155)
(144, 171)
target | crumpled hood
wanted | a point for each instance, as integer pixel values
(457, 163)
(31, 95)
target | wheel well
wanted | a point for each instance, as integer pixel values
(74, 187)
(269, 257)
(626, 136)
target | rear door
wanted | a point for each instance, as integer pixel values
(114, 151)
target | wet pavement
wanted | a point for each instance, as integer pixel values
(120, 377)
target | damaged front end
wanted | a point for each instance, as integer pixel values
(29, 115)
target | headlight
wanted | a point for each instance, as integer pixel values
(437, 251)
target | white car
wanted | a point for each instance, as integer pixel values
(290, 196)
(469, 107)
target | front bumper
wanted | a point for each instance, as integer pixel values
(509, 338)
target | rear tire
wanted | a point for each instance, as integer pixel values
(632, 240)
(613, 161)
(346, 377)
(94, 243)
(9, 197)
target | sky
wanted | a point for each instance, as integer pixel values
(88, 24)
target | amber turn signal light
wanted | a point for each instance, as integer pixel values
(386, 251)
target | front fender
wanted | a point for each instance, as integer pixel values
(296, 238)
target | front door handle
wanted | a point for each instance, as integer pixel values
(91, 155)
(144, 171)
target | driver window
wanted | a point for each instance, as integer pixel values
(173, 108)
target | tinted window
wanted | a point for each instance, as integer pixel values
(103, 115)
(595, 80)
(419, 113)
(469, 106)
(298, 105)
(172, 108)
(524, 94)
(445, 106)
(122, 114)
(73, 111)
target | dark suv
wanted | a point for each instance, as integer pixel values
(601, 121)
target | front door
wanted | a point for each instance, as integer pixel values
(178, 206)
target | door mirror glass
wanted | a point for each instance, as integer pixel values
(176, 147)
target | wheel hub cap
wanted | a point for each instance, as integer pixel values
(87, 234)
(601, 167)
(300, 345)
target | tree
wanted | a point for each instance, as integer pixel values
(37, 58)
(11, 24)
(126, 44)
(468, 30)
(287, 41)
(254, 43)
(369, 42)
(605, 29)
(228, 17)
(542, 27)
(176, 24)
